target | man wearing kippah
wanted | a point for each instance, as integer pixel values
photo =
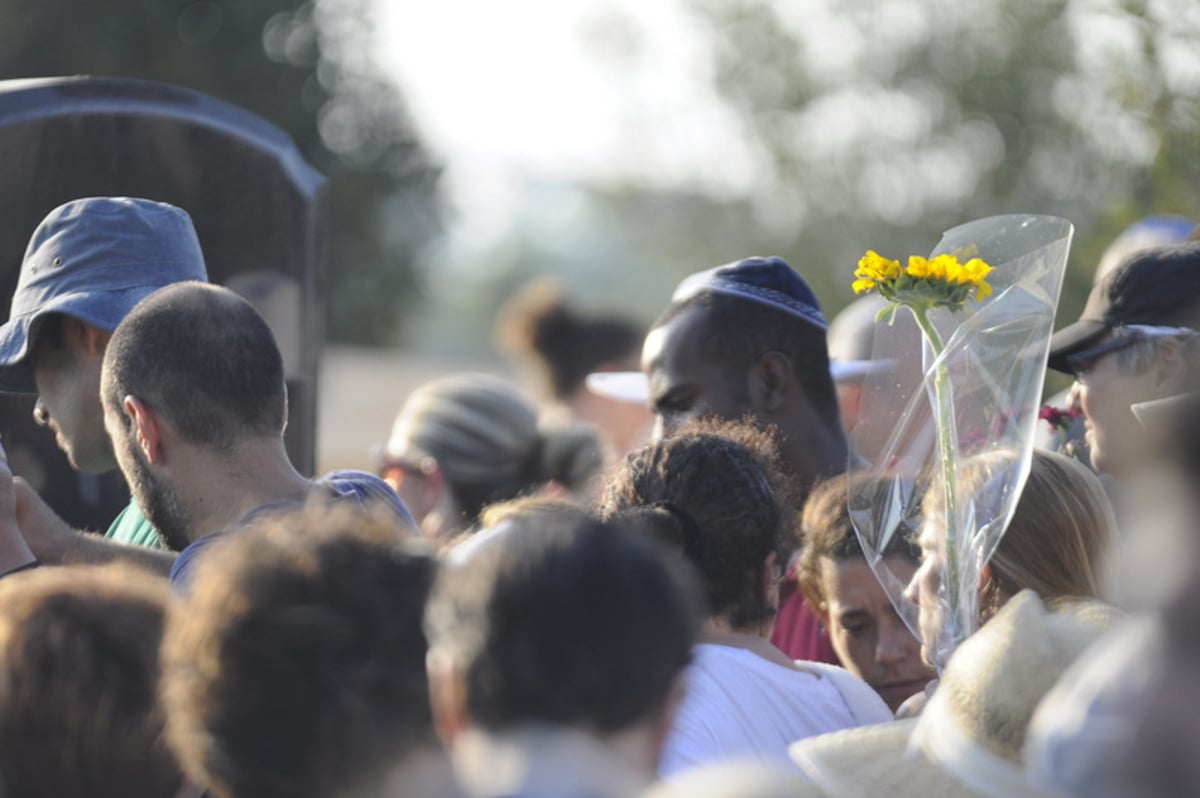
(1135, 348)
(748, 339)
(87, 264)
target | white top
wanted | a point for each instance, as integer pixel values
(741, 706)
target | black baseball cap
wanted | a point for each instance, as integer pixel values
(1159, 287)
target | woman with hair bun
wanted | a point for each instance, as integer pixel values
(463, 442)
(714, 493)
(559, 346)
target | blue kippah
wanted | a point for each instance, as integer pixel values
(768, 281)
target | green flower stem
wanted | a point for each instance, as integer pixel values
(944, 420)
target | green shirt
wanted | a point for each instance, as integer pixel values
(131, 527)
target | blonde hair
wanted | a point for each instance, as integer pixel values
(1061, 531)
(485, 437)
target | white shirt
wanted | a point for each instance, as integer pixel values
(741, 706)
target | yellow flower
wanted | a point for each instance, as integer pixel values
(947, 268)
(941, 281)
(873, 270)
(919, 268)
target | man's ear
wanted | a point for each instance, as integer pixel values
(771, 379)
(447, 695)
(146, 428)
(1171, 370)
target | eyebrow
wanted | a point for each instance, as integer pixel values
(853, 614)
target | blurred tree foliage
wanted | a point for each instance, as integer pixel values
(884, 122)
(305, 67)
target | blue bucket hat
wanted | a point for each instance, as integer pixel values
(767, 281)
(94, 259)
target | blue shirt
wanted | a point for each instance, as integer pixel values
(366, 489)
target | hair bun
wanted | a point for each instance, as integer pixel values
(572, 456)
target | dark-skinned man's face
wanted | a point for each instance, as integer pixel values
(686, 381)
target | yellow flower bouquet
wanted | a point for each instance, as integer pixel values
(984, 302)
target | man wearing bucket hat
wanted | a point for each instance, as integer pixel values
(1136, 343)
(87, 264)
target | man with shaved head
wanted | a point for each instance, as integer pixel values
(195, 403)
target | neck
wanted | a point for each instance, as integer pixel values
(812, 450)
(718, 632)
(222, 488)
(425, 771)
(537, 759)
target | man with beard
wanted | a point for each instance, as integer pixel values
(747, 340)
(195, 404)
(87, 264)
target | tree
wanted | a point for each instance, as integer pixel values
(884, 122)
(300, 65)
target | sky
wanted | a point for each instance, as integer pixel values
(545, 91)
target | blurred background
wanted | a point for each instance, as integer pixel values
(620, 144)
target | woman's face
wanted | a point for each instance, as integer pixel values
(869, 636)
(925, 585)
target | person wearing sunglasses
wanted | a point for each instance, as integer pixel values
(1135, 343)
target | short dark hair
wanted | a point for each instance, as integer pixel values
(564, 620)
(740, 332)
(204, 359)
(295, 666)
(727, 508)
(79, 673)
(827, 531)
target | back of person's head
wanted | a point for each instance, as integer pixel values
(558, 619)
(715, 492)
(561, 344)
(202, 358)
(1060, 534)
(295, 666)
(827, 531)
(79, 675)
(757, 306)
(487, 443)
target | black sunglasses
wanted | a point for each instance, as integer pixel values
(1082, 362)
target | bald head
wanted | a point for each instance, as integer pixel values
(203, 359)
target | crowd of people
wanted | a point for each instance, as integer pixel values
(647, 585)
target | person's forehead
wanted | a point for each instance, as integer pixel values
(848, 582)
(678, 340)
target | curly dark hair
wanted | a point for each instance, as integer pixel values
(79, 672)
(295, 666)
(718, 494)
